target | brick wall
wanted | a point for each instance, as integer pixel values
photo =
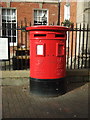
(73, 12)
(25, 9)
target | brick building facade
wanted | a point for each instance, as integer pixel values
(13, 13)
(24, 8)
(39, 12)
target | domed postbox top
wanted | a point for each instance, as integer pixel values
(47, 28)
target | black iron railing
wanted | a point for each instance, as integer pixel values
(78, 55)
(77, 47)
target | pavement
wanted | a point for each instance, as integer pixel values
(0, 102)
(19, 102)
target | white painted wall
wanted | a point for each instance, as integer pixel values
(83, 16)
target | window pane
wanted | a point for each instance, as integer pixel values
(40, 17)
(3, 18)
(9, 26)
(13, 25)
(8, 12)
(44, 18)
(9, 39)
(9, 18)
(35, 18)
(13, 32)
(3, 33)
(13, 15)
(4, 25)
(9, 29)
(9, 32)
(40, 13)
(4, 12)
(14, 12)
(66, 12)
(14, 39)
(35, 13)
(3, 29)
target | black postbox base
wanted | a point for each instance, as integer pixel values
(48, 87)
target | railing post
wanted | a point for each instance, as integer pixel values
(75, 46)
(79, 46)
(86, 46)
(83, 44)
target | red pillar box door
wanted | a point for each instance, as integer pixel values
(47, 59)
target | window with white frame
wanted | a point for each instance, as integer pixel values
(40, 17)
(67, 17)
(9, 24)
(67, 11)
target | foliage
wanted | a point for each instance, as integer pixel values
(67, 23)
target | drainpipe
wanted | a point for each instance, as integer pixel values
(59, 4)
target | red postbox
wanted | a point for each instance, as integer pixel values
(47, 59)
